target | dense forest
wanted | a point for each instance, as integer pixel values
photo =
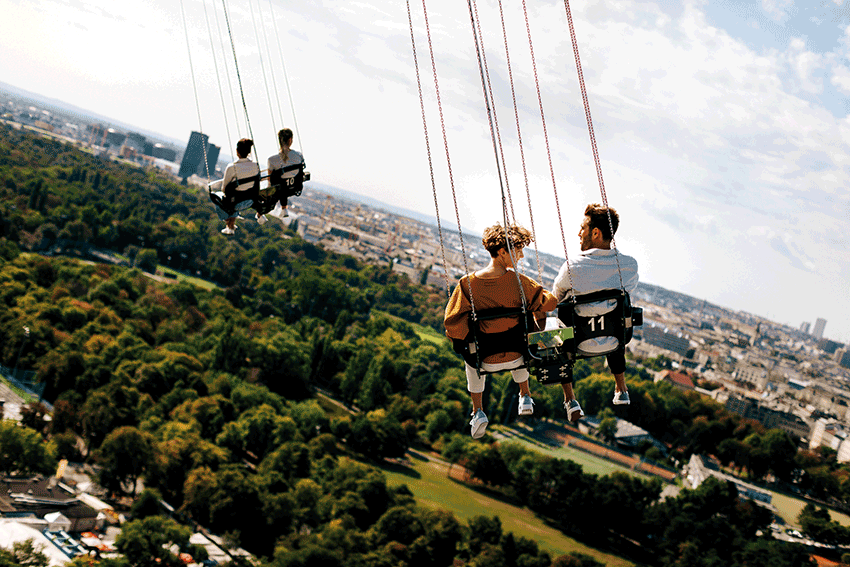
(209, 397)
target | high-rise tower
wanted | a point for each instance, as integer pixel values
(820, 324)
(212, 159)
(194, 154)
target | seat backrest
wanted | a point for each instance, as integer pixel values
(231, 189)
(601, 322)
(479, 345)
(292, 186)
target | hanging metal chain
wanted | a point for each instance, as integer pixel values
(271, 66)
(262, 68)
(236, 65)
(195, 88)
(479, 48)
(519, 140)
(227, 74)
(495, 126)
(286, 81)
(428, 149)
(596, 159)
(448, 156)
(217, 74)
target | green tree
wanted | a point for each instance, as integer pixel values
(576, 559)
(23, 554)
(145, 542)
(399, 524)
(146, 260)
(126, 454)
(703, 527)
(23, 451)
(608, 429)
(147, 504)
(818, 525)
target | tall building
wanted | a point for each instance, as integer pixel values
(804, 328)
(194, 154)
(845, 360)
(820, 324)
(212, 159)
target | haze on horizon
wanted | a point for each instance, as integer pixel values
(722, 127)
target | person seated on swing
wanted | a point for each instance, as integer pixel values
(497, 285)
(598, 267)
(283, 167)
(240, 176)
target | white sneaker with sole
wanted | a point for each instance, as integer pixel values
(228, 230)
(526, 405)
(574, 411)
(261, 219)
(479, 424)
(621, 398)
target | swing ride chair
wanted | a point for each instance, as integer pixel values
(589, 325)
(263, 199)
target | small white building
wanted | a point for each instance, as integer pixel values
(698, 470)
(57, 521)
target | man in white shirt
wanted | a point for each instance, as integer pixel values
(244, 174)
(598, 267)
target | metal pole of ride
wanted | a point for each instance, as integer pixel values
(20, 350)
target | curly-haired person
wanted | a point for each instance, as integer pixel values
(497, 285)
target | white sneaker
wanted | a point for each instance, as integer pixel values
(621, 398)
(261, 219)
(574, 411)
(479, 424)
(228, 230)
(277, 211)
(526, 405)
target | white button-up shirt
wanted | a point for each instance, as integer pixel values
(595, 270)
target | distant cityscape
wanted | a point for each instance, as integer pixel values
(795, 379)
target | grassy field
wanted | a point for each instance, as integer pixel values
(433, 489)
(424, 333)
(429, 334)
(204, 284)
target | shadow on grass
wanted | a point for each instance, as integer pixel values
(417, 455)
(602, 540)
(489, 492)
(399, 469)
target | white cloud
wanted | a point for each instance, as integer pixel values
(806, 65)
(841, 78)
(777, 9)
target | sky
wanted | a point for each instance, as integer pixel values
(722, 127)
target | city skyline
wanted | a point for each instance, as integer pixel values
(722, 130)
